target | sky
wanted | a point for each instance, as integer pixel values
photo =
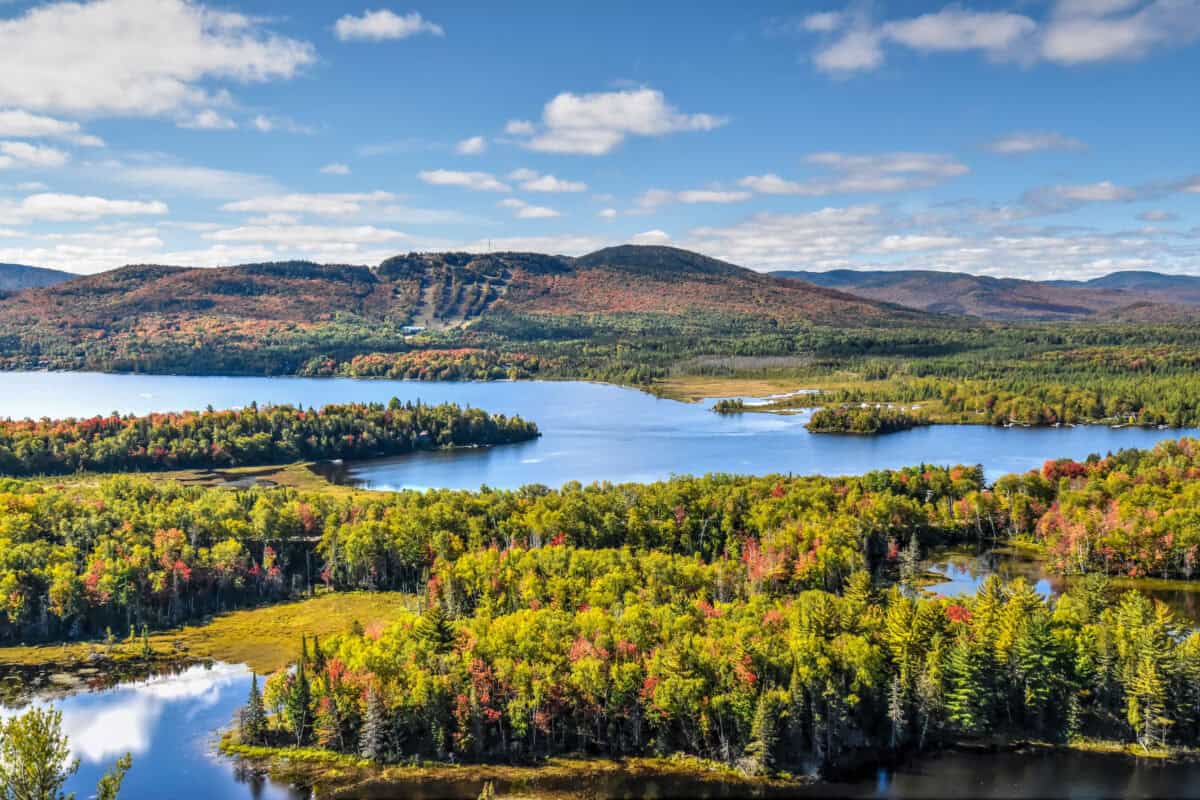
(1028, 138)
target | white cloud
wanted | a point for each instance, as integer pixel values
(533, 181)
(519, 127)
(595, 124)
(955, 29)
(336, 168)
(471, 147)
(23, 125)
(263, 124)
(475, 181)
(307, 236)
(1021, 143)
(526, 211)
(651, 237)
(209, 120)
(857, 50)
(1102, 192)
(1158, 215)
(884, 172)
(916, 243)
(1082, 32)
(823, 22)
(654, 198)
(49, 207)
(26, 156)
(203, 181)
(607, 213)
(328, 204)
(1073, 32)
(135, 58)
(377, 26)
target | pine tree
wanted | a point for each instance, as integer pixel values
(254, 716)
(965, 696)
(318, 656)
(372, 740)
(764, 732)
(297, 705)
(147, 650)
(435, 629)
(910, 564)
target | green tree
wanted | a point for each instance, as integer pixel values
(253, 720)
(34, 764)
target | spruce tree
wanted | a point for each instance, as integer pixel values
(372, 741)
(297, 704)
(254, 716)
(435, 629)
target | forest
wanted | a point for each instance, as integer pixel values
(128, 551)
(867, 421)
(246, 437)
(725, 666)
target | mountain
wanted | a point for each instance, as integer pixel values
(1007, 298)
(15, 277)
(276, 316)
(1153, 285)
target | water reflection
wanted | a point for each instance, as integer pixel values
(169, 723)
(962, 570)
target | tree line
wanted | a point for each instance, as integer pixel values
(248, 436)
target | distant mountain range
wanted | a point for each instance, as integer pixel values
(15, 277)
(1148, 296)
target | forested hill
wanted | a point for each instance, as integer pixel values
(1135, 296)
(277, 317)
(14, 277)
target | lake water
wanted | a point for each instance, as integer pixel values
(591, 432)
(964, 569)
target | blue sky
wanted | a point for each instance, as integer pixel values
(1027, 139)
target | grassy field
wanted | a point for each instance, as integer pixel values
(264, 638)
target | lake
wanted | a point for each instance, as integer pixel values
(591, 431)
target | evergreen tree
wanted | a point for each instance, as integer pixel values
(254, 716)
(965, 695)
(372, 740)
(297, 705)
(764, 732)
(435, 629)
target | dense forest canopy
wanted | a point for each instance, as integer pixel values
(128, 551)
(249, 436)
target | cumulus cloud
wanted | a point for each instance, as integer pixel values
(651, 237)
(209, 120)
(50, 207)
(471, 147)
(883, 172)
(377, 26)
(533, 181)
(336, 168)
(526, 211)
(607, 213)
(597, 123)
(1073, 32)
(14, 155)
(1022, 143)
(136, 58)
(475, 181)
(24, 125)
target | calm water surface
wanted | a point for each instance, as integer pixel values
(591, 432)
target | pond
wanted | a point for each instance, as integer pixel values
(962, 570)
(591, 431)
